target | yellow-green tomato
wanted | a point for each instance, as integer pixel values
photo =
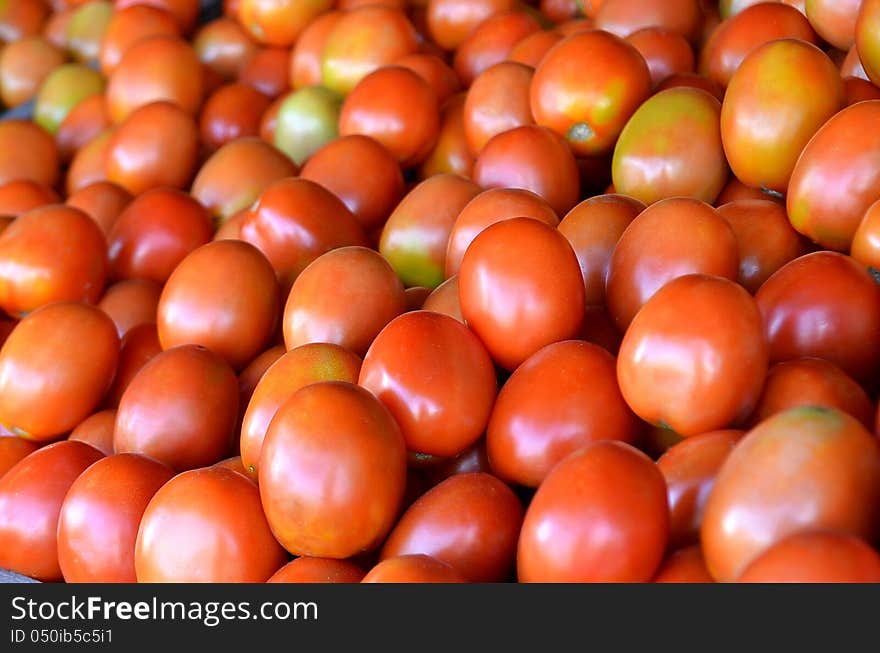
(62, 90)
(307, 120)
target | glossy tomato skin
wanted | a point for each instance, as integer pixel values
(20, 196)
(279, 23)
(593, 229)
(305, 56)
(232, 111)
(130, 303)
(103, 201)
(451, 21)
(297, 368)
(825, 305)
(694, 358)
(470, 521)
(491, 42)
(206, 525)
(435, 377)
(318, 517)
(136, 348)
(623, 17)
(560, 399)
(444, 299)
(666, 52)
(684, 566)
(318, 570)
(97, 430)
(47, 386)
(669, 239)
(51, 253)
(834, 20)
(223, 296)
(129, 25)
(413, 568)
(31, 494)
(180, 408)
(497, 100)
(690, 468)
(866, 241)
(521, 288)
(815, 557)
(451, 153)
(836, 177)
(599, 516)
(867, 45)
(13, 449)
(780, 95)
(99, 519)
(27, 151)
(805, 468)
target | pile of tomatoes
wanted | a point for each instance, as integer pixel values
(440, 291)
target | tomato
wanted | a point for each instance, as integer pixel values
(473, 459)
(157, 145)
(180, 541)
(17, 197)
(665, 52)
(103, 201)
(599, 516)
(866, 243)
(836, 177)
(21, 18)
(487, 208)
(128, 26)
(294, 222)
(623, 17)
(305, 58)
(31, 496)
(99, 519)
(233, 111)
(691, 80)
(27, 151)
(297, 368)
(436, 379)
(97, 430)
(221, 188)
(690, 467)
(86, 29)
(470, 521)
(250, 376)
(24, 65)
(867, 45)
(89, 164)
(671, 147)
(532, 158)
(397, 108)
(307, 120)
(694, 358)
(222, 296)
(765, 238)
(612, 80)
(82, 123)
(451, 153)
(155, 232)
(815, 557)
(346, 297)
(521, 289)
(318, 516)
(279, 23)
(138, 346)
(805, 468)
(451, 21)
(266, 70)
(434, 70)
(824, 305)
(749, 29)
(185, 12)
(416, 237)
(780, 95)
(413, 568)
(224, 46)
(684, 566)
(13, 449)
(671, 238)
(593, 229)
(444, 299)
(735, 190)
(491, 42)
(859, 90)
(361, 42)
(318, 570)
(560, 399)
(834, 20)
(497, 101)
(362, 173)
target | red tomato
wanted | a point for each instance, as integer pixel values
(138, 346)
(31, 494)
(684, 566)
(279, 23)
(444, 299)
(103, 201)
(318, 570)
(318, 516)
(413, 568)
(491, 42)
(22, 195)
(834, 20)
(305, 58)
(27, 151)
(97, 430)
(13, 449)
(599, 516)
(99, 519)
(451, 21)
(180, 541)
(666, 52)
(497, 101)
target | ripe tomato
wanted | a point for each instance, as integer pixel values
(866, 241)
(222, 296)
(97, 430)
(497, 101)
(266, 71)
(671, 147)
(435, 377)
(231, 112)
(99, 519)
(451, 153)
(824, 305)
(48, 386)
(279, 23)
(690, 468)
(102, 201)
(27, 151)
(521, 289)
(64, 88)
(13, 449)
(130, 303)
(22, 195)
(206, 526)
(531, 49)
(305, 58)
(413, 568)
(669, 239)
(297, 368)
(129, 25)
(623, 17)
(450, 22)
(806, 468)
(713, 376)
(599, 516)
(307, 119)
(834, 20)
(867, 45)
(444, 299)
(612, 80)
(470, 521)
(691, 80)
(815, 557)
(434, 70)
(561, 398)
(491, 42)
(318, 570)
(24, 64)
(666, 53)
(684, 566)
(138, 346)
(89, 164)
(31, 494)
(185, 12)
(318, 516)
